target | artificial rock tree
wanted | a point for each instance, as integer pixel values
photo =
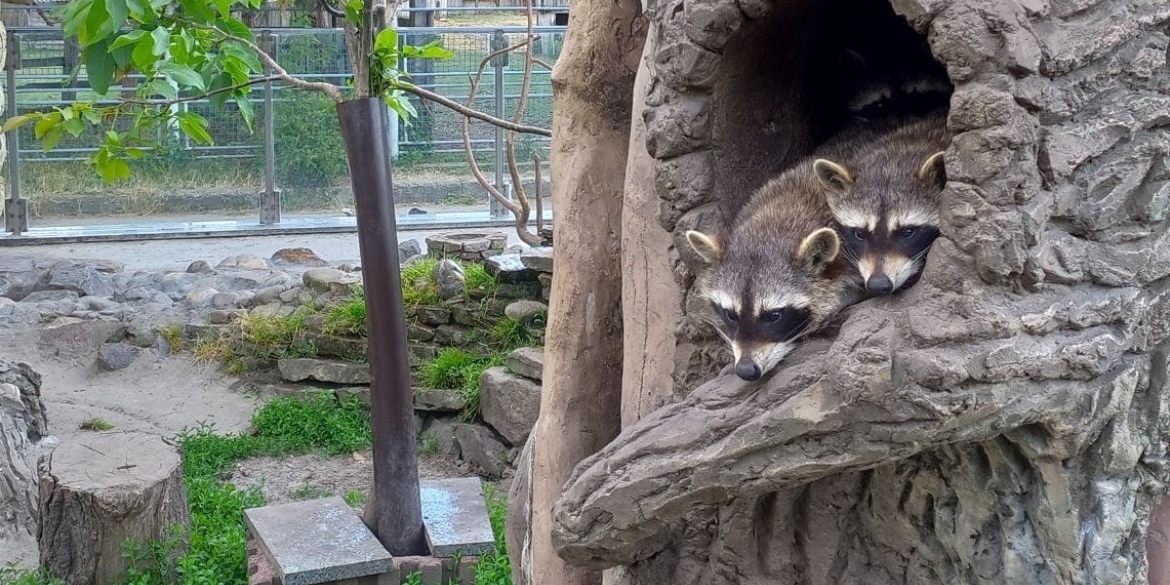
(1001, 422)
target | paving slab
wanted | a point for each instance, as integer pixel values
(317, 541)
(456, 517)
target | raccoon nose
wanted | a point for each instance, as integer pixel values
(880, 285)
(748, 371)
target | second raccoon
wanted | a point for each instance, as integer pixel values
(885, 201)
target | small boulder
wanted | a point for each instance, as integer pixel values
(267, 295)
(433, 315)
(199, 267)
(362, 393)
(116, 356)
(323, 280)
(443, 430)
(507, 268)
(481, 450)
(244, 262)
(527, 362)
(296, 257)
(42, 296)
(438, 400)
(200, 295)
(298, 369)
(407, 249)
(538, 259)
(224, 300)
(526, 311)
(509, 403)
(450, 277)
(82, 279)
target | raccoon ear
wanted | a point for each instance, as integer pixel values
(819, 248)
(707, 247)
(833, 176)
(933, 170)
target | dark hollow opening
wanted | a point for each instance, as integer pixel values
(789, 79)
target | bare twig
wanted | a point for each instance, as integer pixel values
(510, 139)
(470, 113)
(327, 88)
(536, 187)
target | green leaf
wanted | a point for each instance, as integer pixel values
(135, 153)
(246, 110)
(194, 126)
(74, 16)
(143, 56)
(236, 29)
(127, 39)
(162, 38)
(45, 124)
(163, 88)
(219, 81)
(74, 126)
(137, 10)
(353, 12)
(118, 11)
(99, 66)
(197, 10)
(98, 25)
(52, 138)
(183, 75)
(401, 105)
(16, 122)
(386, 41)
(225, 8)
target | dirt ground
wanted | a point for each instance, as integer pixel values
(164, 394)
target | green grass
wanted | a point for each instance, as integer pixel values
(459, 369)
(354, 498)
(428, 444)
(508, 333)
(418, 284)
(477, 278)
(96, 424)
(172, 333)
(349, 317)
(257, 340)
(10, 575)
(495, 569)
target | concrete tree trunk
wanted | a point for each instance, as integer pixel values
(581, 402)
(1005, 421)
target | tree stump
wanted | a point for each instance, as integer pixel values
(99, 491)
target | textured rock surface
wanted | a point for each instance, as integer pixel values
(509, 403)
(297, 369)
(18, 479)
(527, 362)
(947, 435)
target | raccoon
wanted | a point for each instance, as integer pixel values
(778, 273)
(884, 199)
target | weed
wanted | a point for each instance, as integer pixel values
(96, 424)
(428, 444)
(509, 333)
(173, 334)
(495, 569)
(477, 278)
(354, 498)
(413, 578)
(257, 341)
(10, 575)
(418, 284)
(459, 369)
(308, 491)
(348, 317)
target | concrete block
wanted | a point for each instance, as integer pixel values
(317, 541)
(456, 517)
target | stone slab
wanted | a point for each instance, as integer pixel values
(317, 541)
(456, 517)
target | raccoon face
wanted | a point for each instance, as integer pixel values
(762, 306)
(888, 226)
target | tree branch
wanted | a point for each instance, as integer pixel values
(470, 113)
(191, 98)
(327, 88)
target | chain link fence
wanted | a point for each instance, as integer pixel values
(44, 71)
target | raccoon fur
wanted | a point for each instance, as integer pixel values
(884, 198)
(778, 273)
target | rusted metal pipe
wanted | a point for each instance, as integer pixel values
(394, 512)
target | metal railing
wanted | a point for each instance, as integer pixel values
(41, 64)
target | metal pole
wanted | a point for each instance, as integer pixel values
(499, 62)
(15, 208)
(270, 199)
(395, 510)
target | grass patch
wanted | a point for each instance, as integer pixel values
(428, 444)
(309, 491)
(96, 424)
(349, 317)
(459, 369)
(10, 575)
(354, 498)
(172, 333)
(509, 333)
(495, 569)
(256, 341)
(478, 279)
(418, 284)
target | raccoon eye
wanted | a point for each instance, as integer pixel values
(858, 234)
(727, 314)
(773, 316)
(907, 233)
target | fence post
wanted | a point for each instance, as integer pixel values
(499, 62)
(15, 208)
(270, 198)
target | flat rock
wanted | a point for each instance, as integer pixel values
(323, 280)
(509, 403)
(482, 450)
(298, 369)
(362, 393)
(296, 257)
(538, 259)
(456, 517)
(85, 280)
(267, 295)
(527, 362)
(525, 311)
(116, 356)
(438, 400)
(317, 541)
(41, 296)
(244, 262)
(508, 268)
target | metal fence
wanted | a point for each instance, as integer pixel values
(41, 66)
